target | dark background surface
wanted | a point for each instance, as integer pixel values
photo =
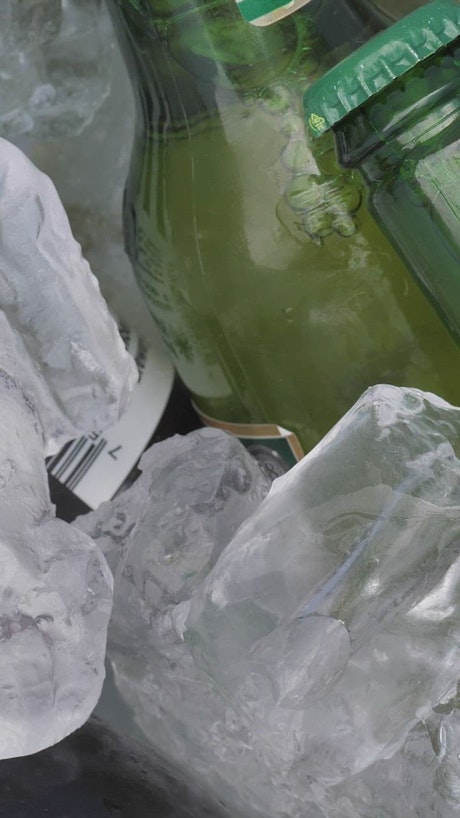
(96, 774)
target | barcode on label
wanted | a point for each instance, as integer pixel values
(75, 459)
(95, 465)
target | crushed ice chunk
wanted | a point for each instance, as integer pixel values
(364, 530)
(58, 338)
(162, 536)
(55, 597)
(325, 631)
(63, 367)
(421, 779)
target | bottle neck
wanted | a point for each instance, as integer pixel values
(190, 48)
(410, 117)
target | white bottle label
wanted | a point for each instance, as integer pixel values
(94, 466)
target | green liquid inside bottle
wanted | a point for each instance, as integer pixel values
(277, 294)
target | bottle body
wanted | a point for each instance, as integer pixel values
(278, 296)
(412, 169)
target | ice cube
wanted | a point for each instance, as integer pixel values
(55, 596)
(365, 531)
(59, 340)
(421, 779)
(54, 65)
(63, 366)
(327, 629)
(162, 536)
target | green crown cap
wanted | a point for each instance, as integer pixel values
(379, 62)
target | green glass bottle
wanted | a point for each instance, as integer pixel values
(401, 128)
(277, 294)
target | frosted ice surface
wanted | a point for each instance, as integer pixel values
(422, 780)
(54, 65)
(62, 366)
(55, 596)
(326, 631)
(364, 533)
(162, 536)
(58, 339)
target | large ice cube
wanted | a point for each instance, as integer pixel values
(162, 536)
(63, 366)
(58, 339)
(326, 630)
(54, 59)
(363, 533)
(55, 596)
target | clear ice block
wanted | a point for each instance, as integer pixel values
(333, 612)
(55, 596)
(63, 366)
(326, 631)
(59, 340)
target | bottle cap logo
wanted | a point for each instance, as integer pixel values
(317, 123)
